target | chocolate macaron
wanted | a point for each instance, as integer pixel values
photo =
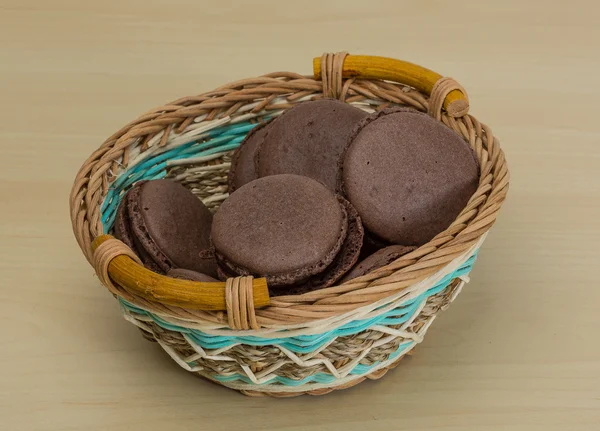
(378, 259)
(308, 140)
(408, 175)
(243, 164)
(186, 274)
(348, 254)
(123, 231)
(168, 226)
(288, 228)
(342, 263)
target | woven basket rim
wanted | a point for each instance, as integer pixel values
(261, 93)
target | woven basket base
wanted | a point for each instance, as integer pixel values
(375, 375)
(178, 347)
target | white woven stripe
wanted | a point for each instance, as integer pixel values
(309, 386)
(192, 132)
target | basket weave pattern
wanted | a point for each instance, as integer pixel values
(310, 343)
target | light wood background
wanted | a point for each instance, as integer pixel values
(518, 350)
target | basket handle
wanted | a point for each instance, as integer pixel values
(114, 263)
(450, 94)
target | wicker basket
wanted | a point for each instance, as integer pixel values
(232, 332)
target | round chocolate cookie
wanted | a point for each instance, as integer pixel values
(186, 274)
(243, 165)
(123, 232)
(286, 228)
(343, 261)
(122, 229)
(308, 140)
(172, 226)
(378, 259)
(408, 175)
(347, 256)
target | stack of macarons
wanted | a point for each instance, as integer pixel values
(306, 140)
(167, 227)
(290, 229)
(311, 192)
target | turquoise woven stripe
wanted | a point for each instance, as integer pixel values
(309, 343)
(155, 167)
(317, 378)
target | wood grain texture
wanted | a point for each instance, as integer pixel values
(518, 350)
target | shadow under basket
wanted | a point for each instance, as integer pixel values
(232, 332)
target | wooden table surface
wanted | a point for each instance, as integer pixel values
(518, 350)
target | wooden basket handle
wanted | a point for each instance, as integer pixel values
(455, 100)
(114, 264)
